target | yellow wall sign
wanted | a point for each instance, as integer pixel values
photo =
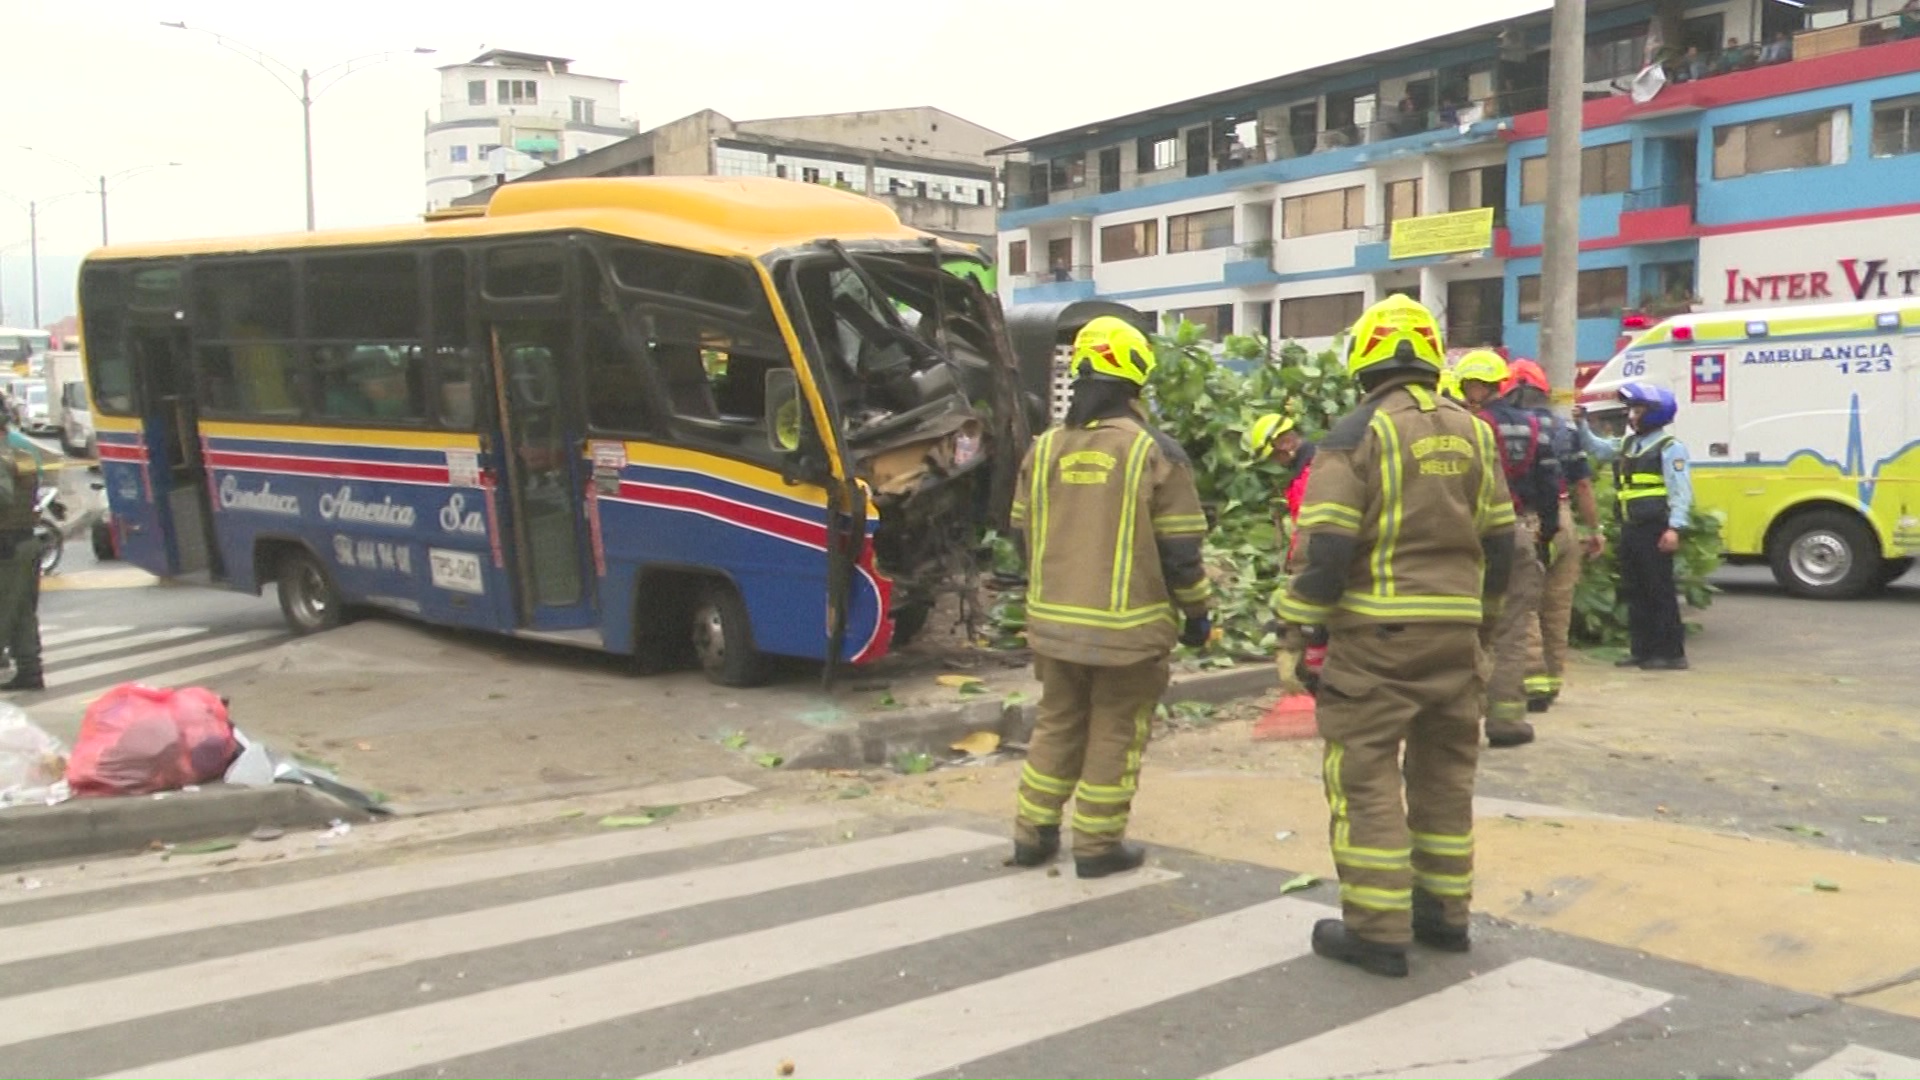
(1442, 234)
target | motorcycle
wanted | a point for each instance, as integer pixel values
(51, 529)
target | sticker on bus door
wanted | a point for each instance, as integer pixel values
(456, 571)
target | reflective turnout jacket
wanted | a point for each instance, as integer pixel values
(1407, 516)
(1114, 527)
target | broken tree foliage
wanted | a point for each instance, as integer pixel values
(1205, 395)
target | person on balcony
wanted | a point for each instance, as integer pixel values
(1778, 50)
(1909, 21)
(1692, 66)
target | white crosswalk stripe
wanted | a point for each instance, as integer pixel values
(81, 661)
(810, 941)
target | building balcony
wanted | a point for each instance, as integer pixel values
(1250, 263)
(1060, 285)
(1664, 212)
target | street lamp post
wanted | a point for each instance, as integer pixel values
(102, 181)
(303, 84)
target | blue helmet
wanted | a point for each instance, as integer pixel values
(1658, 401)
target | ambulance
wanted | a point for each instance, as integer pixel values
(1802, 427)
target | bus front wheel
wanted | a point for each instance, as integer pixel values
(307, 596)
(723, 638)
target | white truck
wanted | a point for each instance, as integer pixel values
(1802, 427)
(69, 411)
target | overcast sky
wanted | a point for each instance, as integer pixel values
(101, 83)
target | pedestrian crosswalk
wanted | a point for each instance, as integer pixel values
(82, 660)
(815, 941)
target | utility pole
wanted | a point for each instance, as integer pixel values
(306, 135)
(33, 257)
(103, 209)
(1560, 256)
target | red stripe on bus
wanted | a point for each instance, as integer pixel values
(329, 467)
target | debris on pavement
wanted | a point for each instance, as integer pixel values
(1826, 884)
(137, 740)
(1298, 883)
(33, 764)
(267, 832)
(259, 766)
(336, 827)
(978, 743)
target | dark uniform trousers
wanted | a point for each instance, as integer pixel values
(1088, 736)
(1646, 582)
(1387, 688)
(1506, 694)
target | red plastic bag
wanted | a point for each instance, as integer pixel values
(137, 739)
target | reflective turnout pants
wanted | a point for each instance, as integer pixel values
(1088, 736)
(1399, 825)
(1506, 697)
(1547, 636)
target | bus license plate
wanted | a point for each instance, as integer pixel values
(458, 571)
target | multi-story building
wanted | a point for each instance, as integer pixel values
(505, 114)
(930, 166)
(1779, 164)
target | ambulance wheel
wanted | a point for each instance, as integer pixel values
(1892, 570)
(308, 599)
(1826, 555)
(723, 638)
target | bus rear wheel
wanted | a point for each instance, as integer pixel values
(308, 599)
(723, 639)
(1826, 555)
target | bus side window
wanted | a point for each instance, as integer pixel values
(103, 298)
(618, 397)
(248, 351)
(715, 373)
(456, 364)
(364, 319)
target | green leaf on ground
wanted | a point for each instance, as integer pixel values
(913, 764)
(1826, 884)
(855, 791)
(1015, 698)
(1803, 830)
(1298, 882)
(887, 700)
(735, 741)
(1873, 819)
(627, 821)
(568, 814)
(769, 760)
(205, 847)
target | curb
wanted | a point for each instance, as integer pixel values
(82, 828)
(933, 729)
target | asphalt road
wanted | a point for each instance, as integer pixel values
(825, 940)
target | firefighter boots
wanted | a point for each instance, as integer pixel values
(1041, 852)
(1430, 927)
(1116, 860)
(1505, 733)
(1332, 940)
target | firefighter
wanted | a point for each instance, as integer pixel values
(1113, 528)
(1533, 479)
(19, 563)
(1654, 500)
(1408, 542)
(1527, 388)
(1276, 438)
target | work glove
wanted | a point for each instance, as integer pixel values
(1197, 630)
(1289, 658)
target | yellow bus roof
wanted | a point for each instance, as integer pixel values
(719, 215)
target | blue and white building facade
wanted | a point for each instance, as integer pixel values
(1760, 176)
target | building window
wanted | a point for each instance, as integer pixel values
(809, 174)
(1017, 258)
(582, 110)
(456, 153)
(486, 151)
(1473, 312)
(1616, 53)
(1066, 172)
(1471, 189)
(1060, 258)
(1215, 321)
(1604, 170)
(1896, 126)
(1134, 240)
(1156, 152)
(477, 92)
(1782, 142)
(1200, 232)
(516, 92)
(1323, 212)
(1319, 316)
(1602, 294)
(1403, 200)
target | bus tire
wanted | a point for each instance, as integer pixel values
(909, 620)
(722, 637)
(308, 598)
(1826, 555)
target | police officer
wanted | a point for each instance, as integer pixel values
(1527, 388)
(1408, 530)
(1654, 494)
(1533, 477)
(1113, 529)
(19, 564)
